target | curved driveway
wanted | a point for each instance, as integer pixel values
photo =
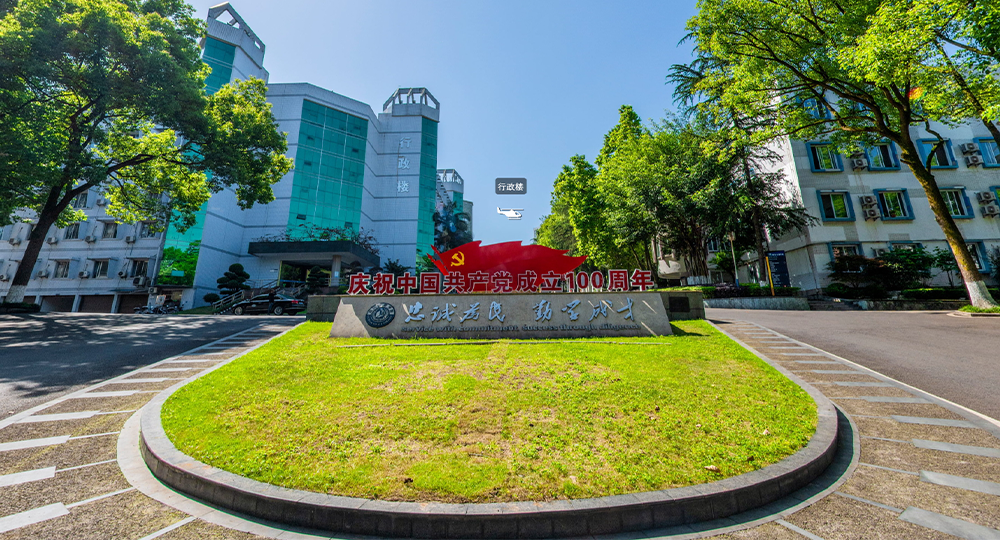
(957, 358)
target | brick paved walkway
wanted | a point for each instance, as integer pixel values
(927, 469)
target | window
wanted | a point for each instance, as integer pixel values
(990, 151)
(815, 108)
(895, 204)
(882, 157)
(146, 230)
(958, 204)
(943, 157)
(904, 246)
(72, 231)
(110, 230)
(80, 201)
(847, 250)
(713, 245)
(823, 158)
(100, 268)
(977, 255)
(836, 206)
(840, 250)
(62, 269)
(140, 267)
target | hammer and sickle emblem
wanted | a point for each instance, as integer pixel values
(458, 259)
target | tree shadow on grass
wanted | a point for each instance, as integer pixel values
(678, 331)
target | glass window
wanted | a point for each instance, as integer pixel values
(110, 230)
(845, 249)
(72, 231)
(713, 244)
(835, 206)
(62, 269)
(955, 202)
(893, 204)
(977, 257)
(991, 152)
(881, 156)
(140, 267)
(941, 157)
(80, 201)
(100, 268)
(146, 230)
(904, 247)
(824, 158)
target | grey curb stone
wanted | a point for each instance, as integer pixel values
(670, 508)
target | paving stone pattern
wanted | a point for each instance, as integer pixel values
(925, 471)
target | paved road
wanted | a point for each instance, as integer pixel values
(45, 356)
(956, 358)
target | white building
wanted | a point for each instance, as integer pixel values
(354, 169)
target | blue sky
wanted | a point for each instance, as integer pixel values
(523, 85)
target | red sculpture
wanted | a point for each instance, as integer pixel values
(508, 259)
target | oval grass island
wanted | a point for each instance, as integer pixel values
(491, 439)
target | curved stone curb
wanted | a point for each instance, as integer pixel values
(578, 517)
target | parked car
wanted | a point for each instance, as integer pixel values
(258, 304)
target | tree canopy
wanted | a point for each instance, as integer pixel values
(109, 96)
(854, 73)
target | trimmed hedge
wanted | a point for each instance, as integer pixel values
(730, 291)
(940, 293)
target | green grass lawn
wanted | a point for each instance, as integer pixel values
(494, 422)
(973, 309)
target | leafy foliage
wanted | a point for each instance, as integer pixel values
(855, 73)
(310, 232)
(211, 297)
(452, 227)
(317, 279)
(234, 280)
(179, 265)
(394, 267)
(109, 96)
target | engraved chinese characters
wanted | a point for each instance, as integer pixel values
(540, 311)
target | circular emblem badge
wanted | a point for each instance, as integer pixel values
(380, 315)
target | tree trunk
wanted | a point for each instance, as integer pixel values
(36, 240)
(979, 295)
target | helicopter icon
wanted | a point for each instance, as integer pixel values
(511, 213)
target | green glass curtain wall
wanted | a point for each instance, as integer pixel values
(329, 170)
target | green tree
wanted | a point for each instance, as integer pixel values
(394, 267)
(317, 279)
(234, 280)
(905, 268)
(452, 227)
(179, 265)
(829, 69)
(109, 96)
(944, 260)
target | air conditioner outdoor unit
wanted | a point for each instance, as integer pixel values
(140, 281)
(880, 251)
(872, 213)
(129, 239)
(867, 200)
(84, 275)
(968, 148)
(14, 241)
(52, 240)
(102, 202)
(122, 274)
(3, 277)
(974, 160)
(42, 274)
(986, 197)
(858, 164)
(154, 290)
(991, 210)
(90, 239)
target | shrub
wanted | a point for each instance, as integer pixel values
(211, 298)
(868, 292)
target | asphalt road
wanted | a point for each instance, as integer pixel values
(46, 355)
(955, 358)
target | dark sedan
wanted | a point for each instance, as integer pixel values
(259, 304)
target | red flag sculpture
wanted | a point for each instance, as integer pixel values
(474, 260)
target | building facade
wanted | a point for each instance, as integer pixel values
(870, 202)
(355, 171)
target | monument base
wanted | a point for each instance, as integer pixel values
(501, 316)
